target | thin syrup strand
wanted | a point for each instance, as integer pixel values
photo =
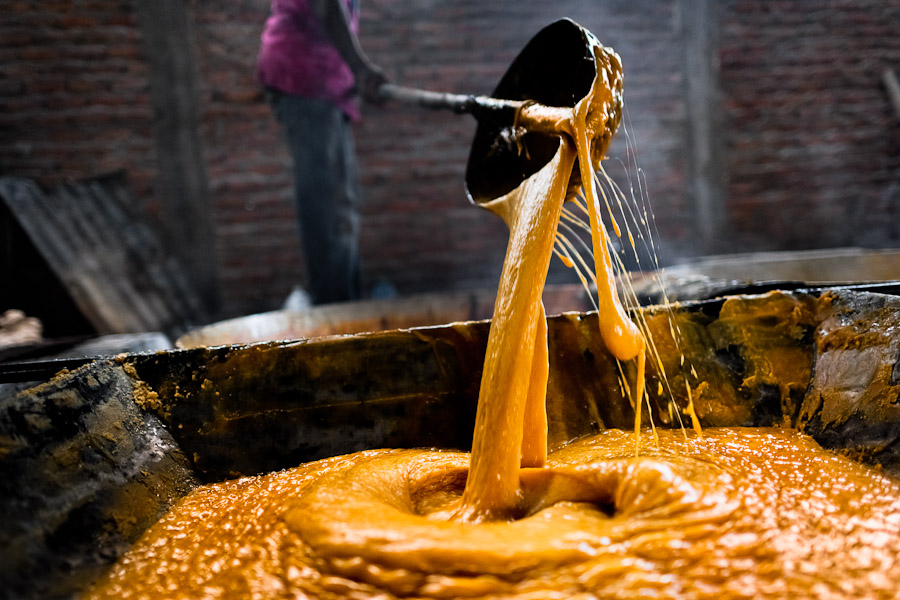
(650, 218)
(584, 270)
(630, 299)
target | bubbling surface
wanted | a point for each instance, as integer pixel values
(738, 513)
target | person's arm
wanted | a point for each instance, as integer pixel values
(333, 15)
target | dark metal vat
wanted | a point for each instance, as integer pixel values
(93, 457)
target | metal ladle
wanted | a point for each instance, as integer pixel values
(520, 123)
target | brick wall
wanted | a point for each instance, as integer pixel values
(74, 98)
(808, 130)
(248, 164)
(813, 146)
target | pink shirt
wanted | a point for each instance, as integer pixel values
(298, 57)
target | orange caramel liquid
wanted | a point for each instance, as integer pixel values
(738, 513)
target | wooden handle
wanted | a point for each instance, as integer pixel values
(478, 106)
(893, 89)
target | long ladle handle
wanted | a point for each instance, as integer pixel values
(478, 106)
(483, 108)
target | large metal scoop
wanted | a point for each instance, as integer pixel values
(520, 124)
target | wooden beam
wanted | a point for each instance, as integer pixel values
(893, 89)
(706, 174)
(182, 183)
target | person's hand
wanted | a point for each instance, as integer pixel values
(369, 79)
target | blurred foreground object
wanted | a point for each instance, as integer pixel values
(17, 329)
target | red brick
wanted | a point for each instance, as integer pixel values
(806, 125)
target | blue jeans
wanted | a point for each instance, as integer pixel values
(326, 190)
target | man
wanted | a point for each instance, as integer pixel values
(313, 67)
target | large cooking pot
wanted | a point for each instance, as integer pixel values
(710, 276)
(419, 310)
(93, 457)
